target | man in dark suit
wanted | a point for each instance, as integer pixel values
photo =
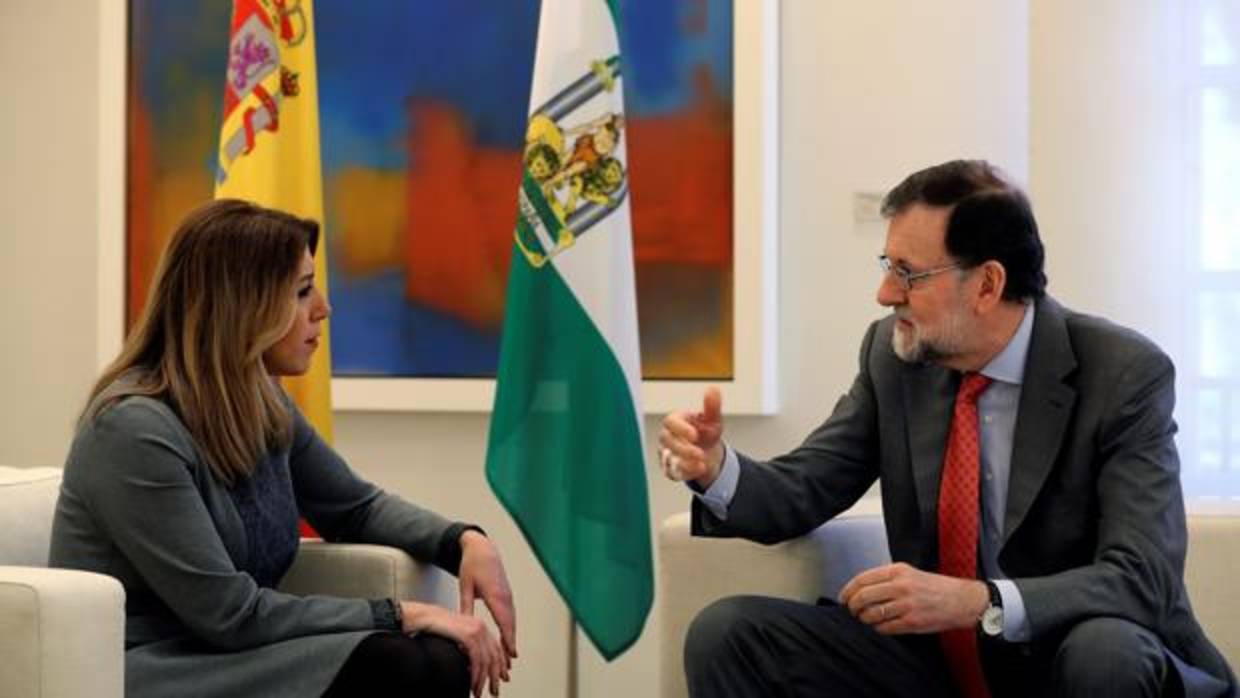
(1029, 480)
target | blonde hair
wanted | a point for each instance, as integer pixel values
(223, 294)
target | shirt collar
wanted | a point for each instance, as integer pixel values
(1009, 365)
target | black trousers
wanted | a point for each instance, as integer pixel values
(750, 646)
(391, 664)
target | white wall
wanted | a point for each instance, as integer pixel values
(1106, 124)
(1109, 118)
(48, 198)
(870, 91)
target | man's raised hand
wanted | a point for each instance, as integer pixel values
(690, 442)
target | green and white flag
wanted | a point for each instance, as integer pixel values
(565, 454)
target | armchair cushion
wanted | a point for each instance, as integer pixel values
(693, 572)
(27, 501)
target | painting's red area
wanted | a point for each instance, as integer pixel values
(680, 176)
(138, 196)
(462, 208)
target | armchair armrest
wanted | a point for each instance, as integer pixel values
(1209, 573)
(694, 572)
(64, 633)
(366, 571)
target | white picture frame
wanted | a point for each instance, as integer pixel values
(753, 388)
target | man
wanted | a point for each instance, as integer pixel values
(1029, 480)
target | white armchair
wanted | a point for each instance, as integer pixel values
(693, 572)
(64, 629)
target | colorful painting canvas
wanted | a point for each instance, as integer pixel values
(423, 115)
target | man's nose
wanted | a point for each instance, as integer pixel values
(890, 292)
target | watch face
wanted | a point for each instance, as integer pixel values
(992, 621)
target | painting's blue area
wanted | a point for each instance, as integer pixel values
(647, 44)
(716, 46)
(182, 48)
(479, 57)
(376, 333)
(375, 56)
(661, 59)
(186, 37)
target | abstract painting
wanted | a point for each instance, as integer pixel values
(423, 112)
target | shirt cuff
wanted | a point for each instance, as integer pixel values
(1015, 620)
(448, 557)
(718, 497)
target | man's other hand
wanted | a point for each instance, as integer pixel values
(899, 598)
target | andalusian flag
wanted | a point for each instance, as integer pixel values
(269, 145)
(565, 455)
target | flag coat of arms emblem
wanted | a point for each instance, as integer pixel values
(565, 454)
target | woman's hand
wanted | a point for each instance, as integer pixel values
(482, 575)
(487, 663)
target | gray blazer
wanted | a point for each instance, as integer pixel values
(1095, 517)
(138, 503)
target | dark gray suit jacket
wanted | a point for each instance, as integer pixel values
(1095, 521)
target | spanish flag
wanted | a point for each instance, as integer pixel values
(269, 145)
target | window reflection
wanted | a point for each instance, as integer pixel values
(1210, 429)
(1211, 439)
(1220, 32)
(1219, 315)
(1220, 179)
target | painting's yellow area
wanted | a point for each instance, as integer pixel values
(368, 220)
(709, 355)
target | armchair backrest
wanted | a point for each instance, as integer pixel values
(27, 503)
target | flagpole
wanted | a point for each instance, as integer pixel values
(572, 657)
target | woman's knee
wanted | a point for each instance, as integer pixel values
(392, 664)
(448, 663)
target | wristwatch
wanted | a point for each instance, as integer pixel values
(991, 622)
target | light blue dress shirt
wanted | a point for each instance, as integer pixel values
(996, 410)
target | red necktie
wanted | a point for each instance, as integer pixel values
(958, 523)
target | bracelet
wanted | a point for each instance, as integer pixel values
(398, 613)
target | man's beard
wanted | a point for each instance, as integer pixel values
(913, 345)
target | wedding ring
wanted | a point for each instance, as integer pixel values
(882, 612)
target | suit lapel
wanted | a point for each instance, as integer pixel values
(929, 396)
(1045, 409)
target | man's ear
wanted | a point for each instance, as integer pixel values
(992, 283)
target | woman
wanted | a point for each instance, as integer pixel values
(190, 468)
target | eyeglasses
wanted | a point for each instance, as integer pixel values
(906, 277)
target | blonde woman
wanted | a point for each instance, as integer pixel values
(190, 468)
